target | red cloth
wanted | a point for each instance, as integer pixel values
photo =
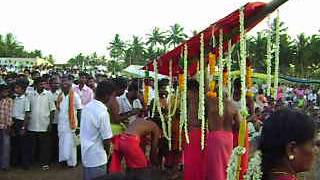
(194, 158)
(230, 26)
(127, 145)
(220, 145)
(245, 156)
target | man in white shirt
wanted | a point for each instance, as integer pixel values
(129, 102)
(39, 126)
(68, 122)
(95, 133)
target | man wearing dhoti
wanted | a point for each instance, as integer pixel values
(69, 106)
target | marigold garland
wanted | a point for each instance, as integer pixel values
(146, 89)
(277, 54)
(181, 122)
(212, 68)
(201, 108)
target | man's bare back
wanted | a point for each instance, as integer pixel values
(142, 127)
(230, 119)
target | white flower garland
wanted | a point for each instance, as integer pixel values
(201, 110)
(268, 60)
(220, 71)
(254, 170)
(169, 105)
(157, 100)
(243, 65)
(277, 53)
(229, 62)
(233, 162)
(184, 93)
(181, 121)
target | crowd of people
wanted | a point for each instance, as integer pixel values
(60, 117)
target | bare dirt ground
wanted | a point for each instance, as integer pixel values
(59, 173)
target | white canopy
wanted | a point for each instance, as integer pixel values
(137, 72)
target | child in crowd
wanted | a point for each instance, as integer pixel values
(20, 115)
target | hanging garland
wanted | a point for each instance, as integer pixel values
(169, 104)
(212, 68)
(157, 99)
(249, 82)
(244, 111)
(201, 110)
(254, 170)
(220, 71)
(229, 61)
(181, 122)
(277, 53)
(269, 60)
(184, 94)
(146, 88)
(233, 162)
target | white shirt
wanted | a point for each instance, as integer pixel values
(125, 106)
(95, 127)
(21, 105)
(63, 120)
(55, 96)
(41, 106)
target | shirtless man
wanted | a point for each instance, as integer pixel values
(127, 144)
(220, 137)
(194, 157)
(114, 109)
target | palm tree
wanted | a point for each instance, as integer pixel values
(176, 35)
(156, 38)
(135, 52)
(117, 48)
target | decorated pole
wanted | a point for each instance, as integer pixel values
(201, 110)
(276, 58)
(268, 60)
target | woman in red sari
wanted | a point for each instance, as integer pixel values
(287, 145)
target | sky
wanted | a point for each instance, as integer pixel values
(65, 28)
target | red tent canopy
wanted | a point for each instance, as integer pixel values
(253, 12)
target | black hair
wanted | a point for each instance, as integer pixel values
(134, 86)
(237, 83)
(281, 128)
(23, 83)
(193, 85)
(104, 88)
(83, 74)
(120, 82)
(260, 91)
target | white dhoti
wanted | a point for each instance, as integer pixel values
(67, 148)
